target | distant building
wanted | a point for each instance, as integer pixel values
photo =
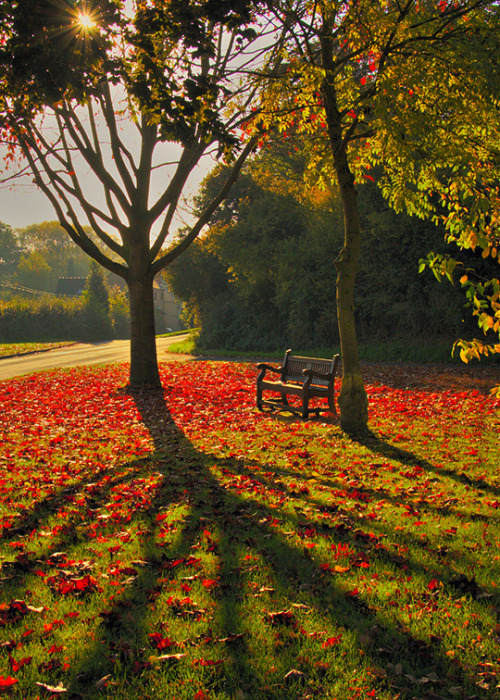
(168, 308)
(70, 286)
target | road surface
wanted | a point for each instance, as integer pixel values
(75, 355)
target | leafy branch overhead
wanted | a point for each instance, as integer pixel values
(403, 93)
(115, 137)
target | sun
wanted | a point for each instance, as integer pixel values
(85, 21)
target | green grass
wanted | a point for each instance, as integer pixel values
(419, 351)
(187, 546)
(171, 334)
(7, 349)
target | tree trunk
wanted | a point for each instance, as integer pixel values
(353, 401)
(143, 360)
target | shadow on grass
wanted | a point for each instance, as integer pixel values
(400, 664)
(375, 444)
(243, 525)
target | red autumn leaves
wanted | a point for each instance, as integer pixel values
(78, 444)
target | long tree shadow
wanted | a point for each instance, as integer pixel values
(244, 524)
(385, 449)
(238, 525)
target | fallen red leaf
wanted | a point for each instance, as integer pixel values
(6, 683)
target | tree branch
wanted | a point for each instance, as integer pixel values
(204, 218)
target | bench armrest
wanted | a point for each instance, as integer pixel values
(320, 375)
(263, 367)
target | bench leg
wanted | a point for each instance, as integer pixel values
(331, 405)
(259, 398)
(305, 407)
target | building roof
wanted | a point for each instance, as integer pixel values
(70, 286)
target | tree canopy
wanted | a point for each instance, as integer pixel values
(261, 277)
(146, 90)
(408, 89)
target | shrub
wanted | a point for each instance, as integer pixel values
(96, 306)
(27, 319)
(119, 310)
(43, 318)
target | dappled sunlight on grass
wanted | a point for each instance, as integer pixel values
(184, 545)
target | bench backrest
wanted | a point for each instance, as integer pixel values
(294, 364)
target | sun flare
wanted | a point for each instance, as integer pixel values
(85, 20)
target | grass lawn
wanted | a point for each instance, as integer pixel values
(7, 349)
(187, 546)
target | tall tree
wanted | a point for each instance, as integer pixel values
(34, 271)
(50, 240)
(9, 248)
(262, 277)
(412, 87)
(93, 92)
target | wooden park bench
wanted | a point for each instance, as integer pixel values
(306, 377)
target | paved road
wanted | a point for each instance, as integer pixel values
(75, 355)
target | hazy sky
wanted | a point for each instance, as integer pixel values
(20, 207)
(22, 203)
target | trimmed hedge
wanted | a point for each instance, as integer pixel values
(24, 319)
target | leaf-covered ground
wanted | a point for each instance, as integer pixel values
(184, 545)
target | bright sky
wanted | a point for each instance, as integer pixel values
(20, 207)
(23, 204)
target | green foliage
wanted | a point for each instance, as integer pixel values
(186, 101)
(34, 271)
(96, 304)
(38, 255)
(96, 287)
(46, 51)
(264, 275)
(119, 312)
(41, 318)
(427, 118)
(482, 291)
(48, 317)
(9, 248)
(263, 281)
(49, 239)
(441, 266)
(392, 300)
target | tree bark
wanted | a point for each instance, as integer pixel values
(143, 360)
(353, 401)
